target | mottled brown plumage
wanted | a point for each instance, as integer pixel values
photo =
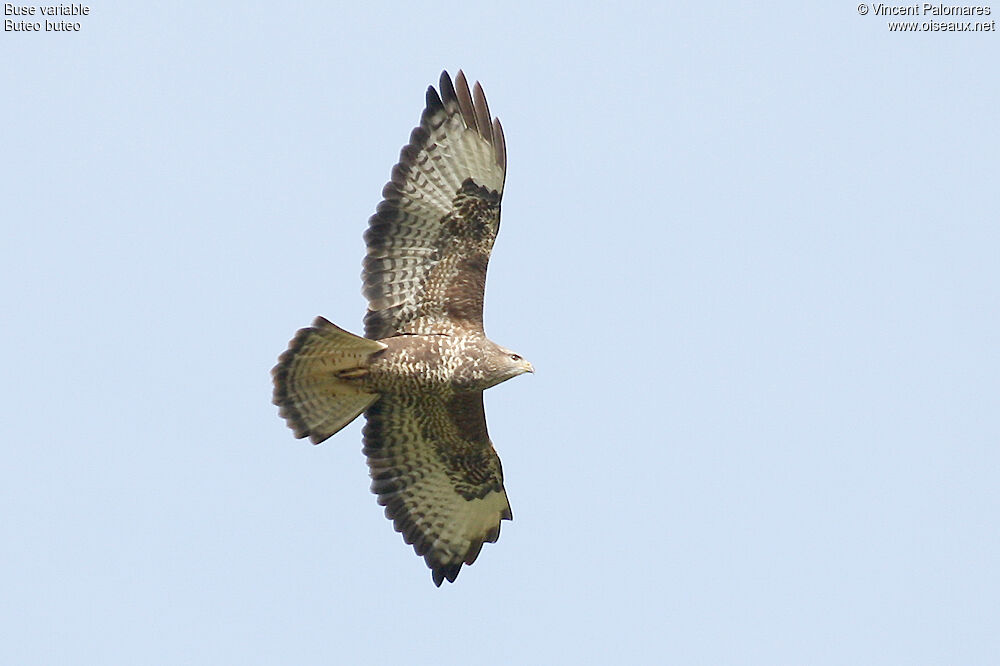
(420, 372)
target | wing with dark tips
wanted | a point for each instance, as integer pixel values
(436, 473)
(430, 239)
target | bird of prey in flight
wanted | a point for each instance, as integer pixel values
(419, 372)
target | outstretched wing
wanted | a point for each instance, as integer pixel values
(435, 471)
(430, 240)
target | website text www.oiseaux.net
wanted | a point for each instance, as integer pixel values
(934, 17)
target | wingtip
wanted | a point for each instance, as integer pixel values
(465, 102)
(483, 122)
(447, 88)
(433, 102)
(444, 572)
(499, 144)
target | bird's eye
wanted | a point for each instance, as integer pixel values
(515, 357)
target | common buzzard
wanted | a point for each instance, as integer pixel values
(421, 369)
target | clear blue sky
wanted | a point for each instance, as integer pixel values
(752, 252)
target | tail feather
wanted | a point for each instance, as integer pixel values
(316, 381)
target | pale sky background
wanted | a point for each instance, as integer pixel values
(752, 252)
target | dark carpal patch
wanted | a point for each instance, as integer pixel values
(474, 218)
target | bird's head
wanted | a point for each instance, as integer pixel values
(517, 364)
(503, 364)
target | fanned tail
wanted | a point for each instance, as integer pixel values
(317, 380)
